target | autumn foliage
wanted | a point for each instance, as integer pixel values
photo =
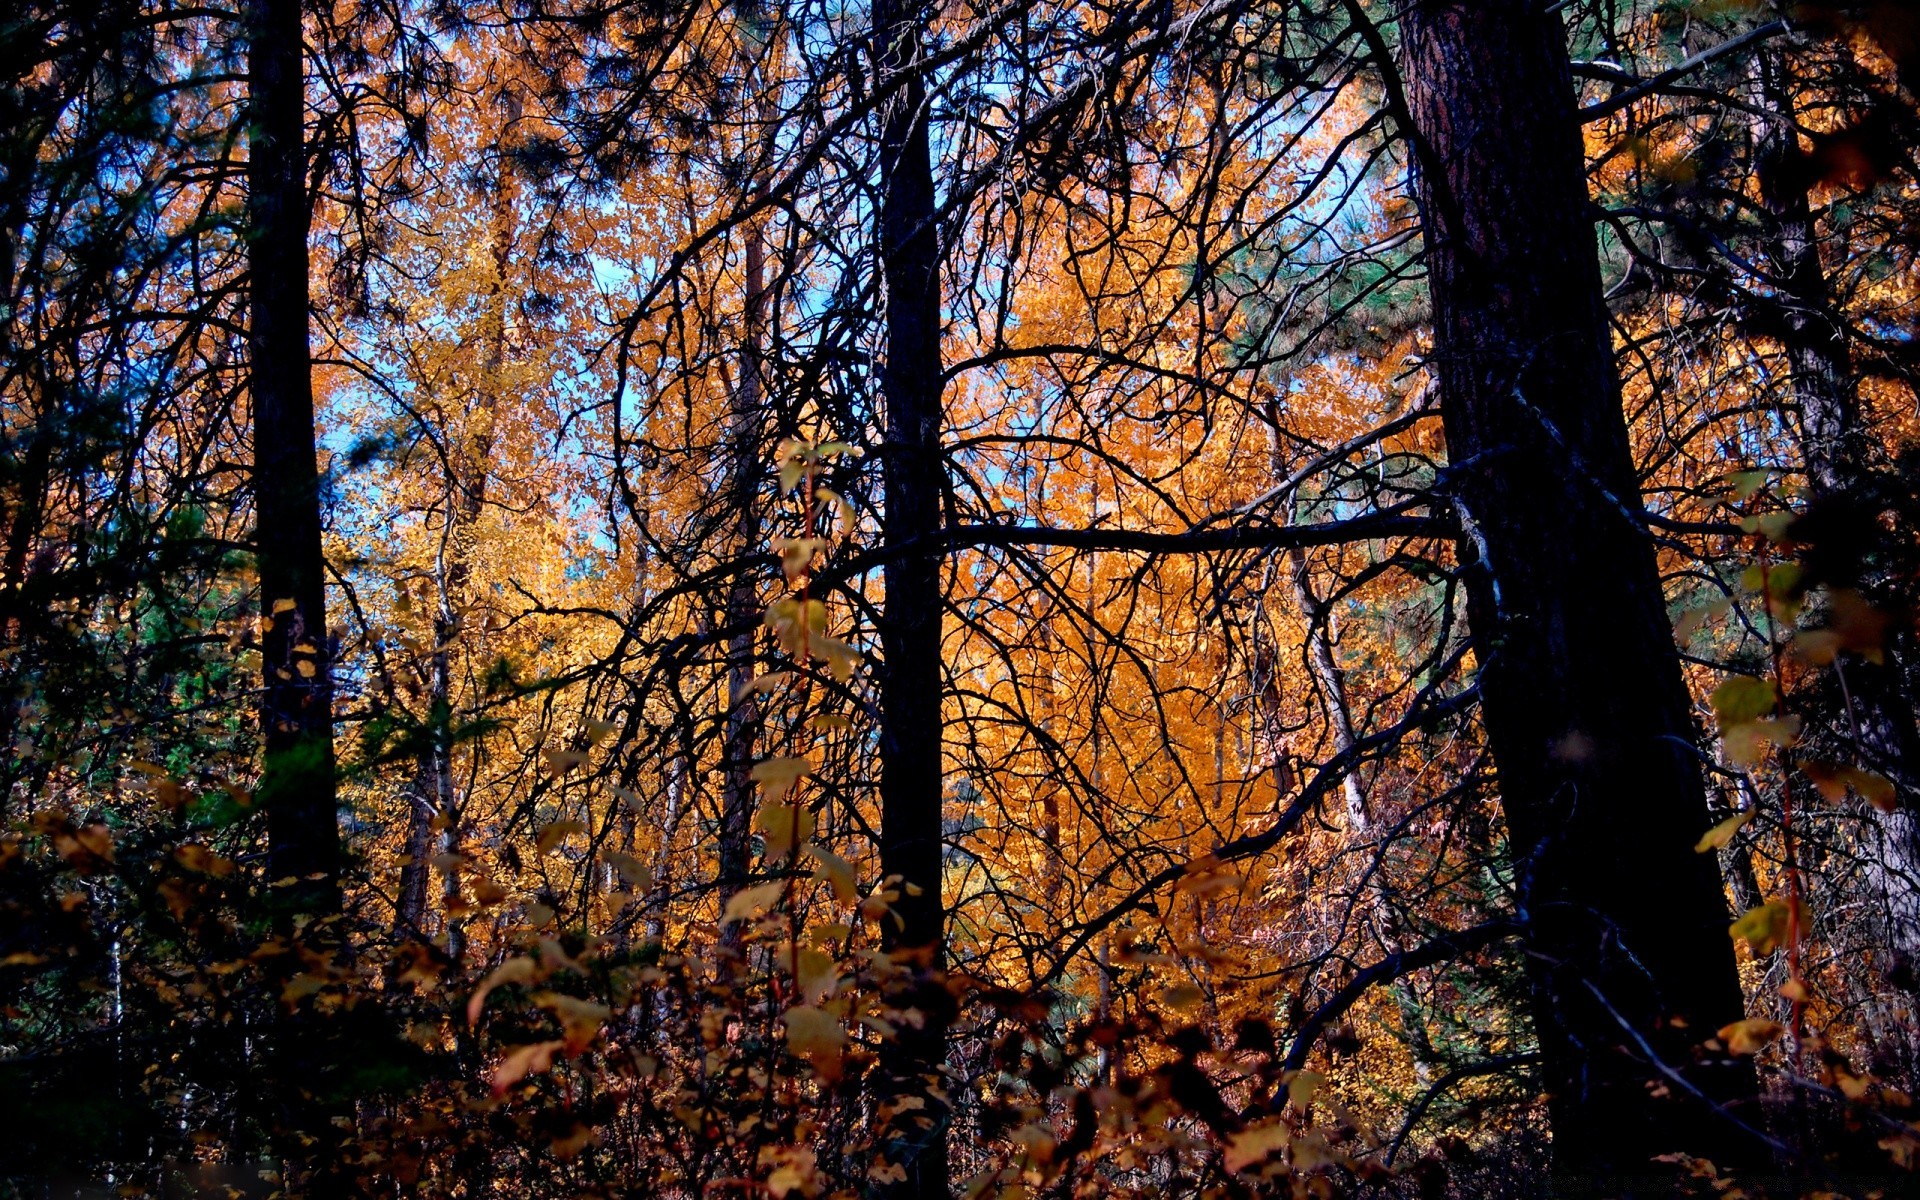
(1299, 598)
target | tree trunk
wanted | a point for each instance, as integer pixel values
(1586, 712)
(910, 678)
(1837, 448)
(296, 703)
(1331, 680)
(746, 425)
(470, 454)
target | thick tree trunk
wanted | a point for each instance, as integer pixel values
(1628, 955)
(910, 679)
(1838, 451)
(296, 706)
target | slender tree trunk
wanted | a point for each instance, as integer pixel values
(436, 795)
(1586, 712)
(746, 425)
(1837, 448)
(296, 705)
(1053, 870)
(910, 681)
(1331, 680)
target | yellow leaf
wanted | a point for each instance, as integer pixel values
(1717, 837)
(835, 507)
(580, 1020)
(817, 1036)
(841, 659)
(1182, 996)
(1751, 1035)
(796, 554)
(634, 873)
(1746, 742)
(1834, 780)
(202, 860)
(1302, 1086)
(743, 903)
(514, 970)
(551, 835)
(837, 871)
(762, 683)
(794, 622)
(1763, 928)
(783, 826)
(1249, 1146)
(1742, 698)
(1746, 483)
(283, 605)
(523, 1061)
(816, 973)
(778, 775)
(574, 1141)
(796, 458)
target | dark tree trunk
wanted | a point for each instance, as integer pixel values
(1585, 708)
(910, 677)
(296, 705)
(746, 426)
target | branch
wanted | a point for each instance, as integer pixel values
(1393, 966)
(1492, 1066)
(1426, 708)
(1620, 100)
(1386, 524)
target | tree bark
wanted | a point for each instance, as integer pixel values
(1585, 709)
(911, 839)
(296, 704)
(1838, 450)
(746, 425)
(470, 452)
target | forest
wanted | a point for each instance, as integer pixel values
(979, 599)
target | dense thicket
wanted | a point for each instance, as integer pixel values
(1222, 598)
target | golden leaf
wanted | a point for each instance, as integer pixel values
(837, 872)
(783, 826)
(1717, 837)
(580, 1020)
(514, 970)
(817, 1036)
(1253, 1144)
(550, 835)
(778, 775)
(523, 1061)
(1751, 1035)
(743, 903)
(1763, 927)
(634, 873)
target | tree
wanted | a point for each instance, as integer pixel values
(1592, 734)
(911, 686)
(296, 705)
